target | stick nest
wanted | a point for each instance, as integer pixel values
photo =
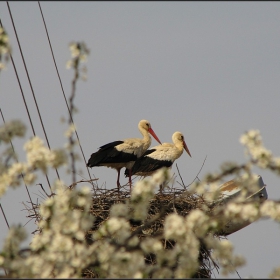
(163, 203)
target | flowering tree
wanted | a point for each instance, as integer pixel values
(141, 235)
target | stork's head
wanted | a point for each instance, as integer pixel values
(146, 125)
(179, 137)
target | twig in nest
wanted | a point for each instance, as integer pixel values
(44, 190)
(180, 176)
(82, 181)
(196, 177)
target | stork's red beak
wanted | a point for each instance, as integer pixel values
(186, 148)
(154, 135)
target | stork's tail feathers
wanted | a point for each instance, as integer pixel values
(91, 161)
(126, 172)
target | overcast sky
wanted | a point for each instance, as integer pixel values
(208, 69)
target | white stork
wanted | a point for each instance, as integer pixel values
(159, 156)
(119, 154)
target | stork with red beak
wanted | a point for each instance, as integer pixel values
(119, 154)
(160, 156)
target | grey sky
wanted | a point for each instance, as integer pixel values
(208, 69)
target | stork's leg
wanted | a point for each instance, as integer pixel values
(130, 182)
(160, 188)
(118, 180)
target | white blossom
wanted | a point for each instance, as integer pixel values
(198, 221)
(142, 190)
(249, 212)
(275, 274)
(162, 273)
(223, 252)
(119, 210)
(271, 209)
(71, 129)
(174, 227)
(79, 54)
(252, 140)
(118, 228)
(5, 48)
(11, 129)
(150, 245)
(161, 176)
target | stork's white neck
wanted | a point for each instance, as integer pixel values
(147, 140)
(179, 147)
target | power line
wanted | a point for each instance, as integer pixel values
(31, 87)
(26, 107)
(62, 85)
(21, 176)
(4, 216)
